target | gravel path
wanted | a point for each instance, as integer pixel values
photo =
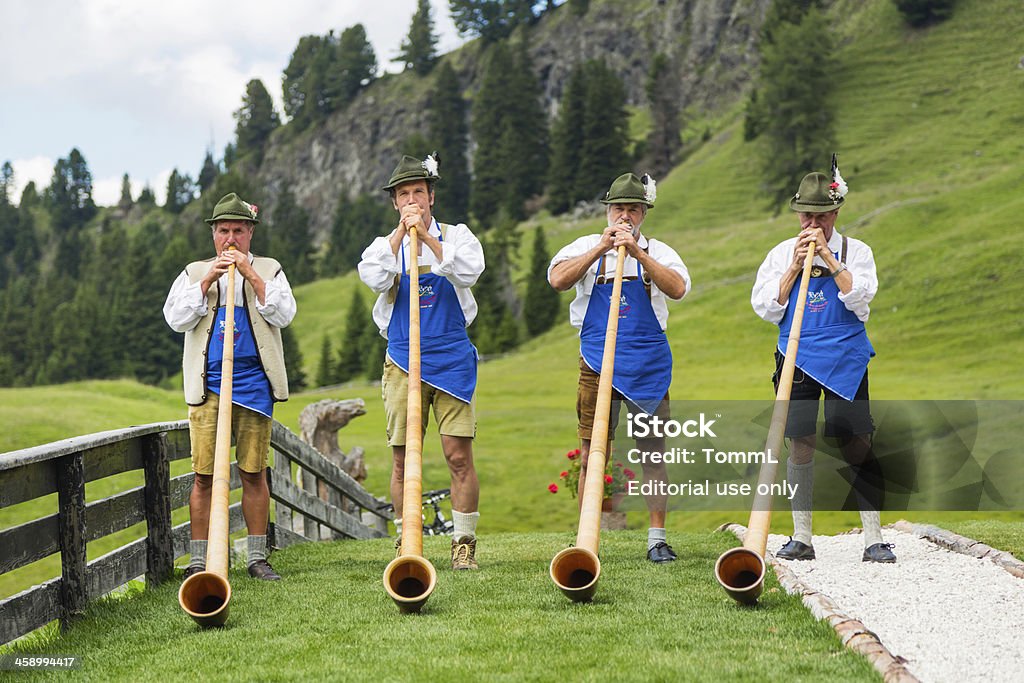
(951, 616)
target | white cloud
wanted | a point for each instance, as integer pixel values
(144, 86)
(38, 169)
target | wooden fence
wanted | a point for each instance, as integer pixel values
(64, 467)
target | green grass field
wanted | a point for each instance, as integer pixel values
(928, 133)
(504, 622)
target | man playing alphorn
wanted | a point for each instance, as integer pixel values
(652, 273)
(832, 358)
(450, 262)
(264, 304)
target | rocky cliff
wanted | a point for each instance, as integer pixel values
(711, 46)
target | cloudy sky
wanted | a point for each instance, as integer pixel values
(144, 87)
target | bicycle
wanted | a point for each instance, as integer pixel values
(438, 525)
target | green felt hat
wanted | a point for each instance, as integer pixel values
(232, 208)
(628, 189)
(817, 194)
(411, 168)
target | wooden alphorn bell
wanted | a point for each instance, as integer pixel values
(741, 571)
(576, 570)
(205, 595)
(409, 579)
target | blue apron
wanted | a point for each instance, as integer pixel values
(447, 358)
(250, 387)
(834, 347)
(643, 359)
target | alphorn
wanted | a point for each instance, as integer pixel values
(576, 570)
(205, 595)
(410, 578)
(741, 571)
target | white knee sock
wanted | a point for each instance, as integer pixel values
(655, 536)
(398, 526)
(465, 525)
(872, 523)
(803, 498)
(197, 549)
(257, 549)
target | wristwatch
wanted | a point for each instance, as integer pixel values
(841, 268)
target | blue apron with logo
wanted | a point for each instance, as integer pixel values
(834, 347)
(447, 357)
(250, 387)
(643, 359)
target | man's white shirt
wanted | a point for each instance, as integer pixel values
(186, 306)
(462, 262)
(860, 261)
(659, 251)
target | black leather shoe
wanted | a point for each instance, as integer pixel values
(261, 569)
(795, 550)
(190, 570)
(879, 552)
(661, 552)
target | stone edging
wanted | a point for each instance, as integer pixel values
(852, 633)
(963, 545)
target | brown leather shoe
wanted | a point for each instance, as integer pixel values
(464, 555)
(261, 569)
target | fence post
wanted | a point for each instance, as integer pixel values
(159, 539)
(310, 527)
(71, 532)
(282, 513)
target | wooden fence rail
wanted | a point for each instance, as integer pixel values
(64, 467)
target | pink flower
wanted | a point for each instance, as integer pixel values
(553, 488)
(607, 478)
(563, 475)
(619, 465)
(629, 473)
(572, 455)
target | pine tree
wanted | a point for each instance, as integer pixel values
(291, 241)
(795, 82)
(450, 132)
(492, 20)
(180, 191)
(355, 225)
(293, 361)
(208, 174)
(663, 142)
(490, 164)
(294, 83)
(525, 139)
(255, 120)
(511, 134)
(146, 197)
(375, 347)
(495, 329)
(325, 368)
(919, 13)
(567, 144)
(779, 14)
(605, 130)
(70, 193)
(6, 182)
(419, 49)
(357, 63)
(125, 203)
(542, 301)
(351, 354)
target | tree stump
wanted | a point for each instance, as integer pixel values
(318, 426)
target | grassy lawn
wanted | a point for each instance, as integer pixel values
(505, 622)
